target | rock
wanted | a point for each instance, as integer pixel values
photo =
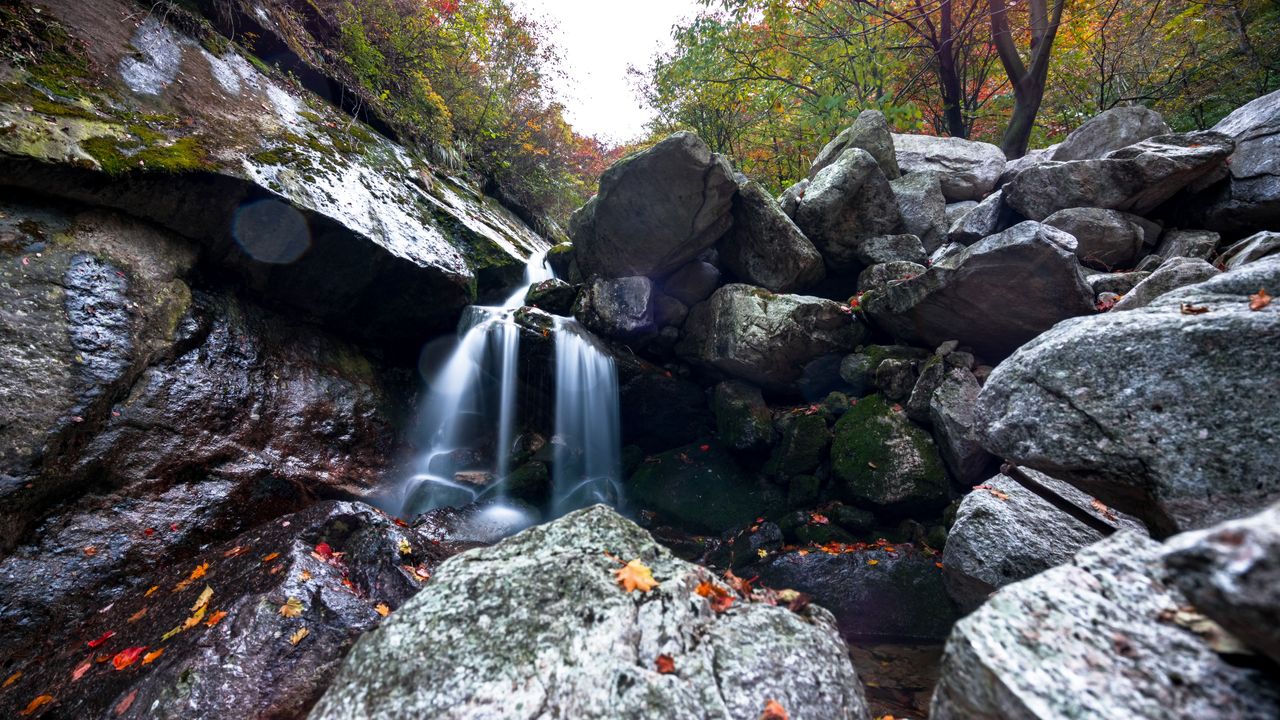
(869, 132)
(790, 198)
(692, 283)
(554, 296)
(895, 378)
(764, 338)
(661, 411)
(1110, 130)
(1231, 573)
(923, 208)
(743, 420)
(1150, 435)
(858, 370)
(847, 202)
(702, 490)
(1250, 249)
(1095, 623)
(881, 460)
(1105, 239)
(655, 211)
(932, 373)
(620, 307)
(891, 248)
(1198, 244)
(802, 447)
(803, 491)
(986, 219)
(1173, 274)
(560, 258)
(1247, 199)
(1004, 533)
(532, 648)
(765, 247)
(216, 665)
(1031, 159)
(968, 170)
(957, 210)
(1136, 179)
(898, 598)
(1117, 283)
(878, 276)
(951, 413)
(969, 296)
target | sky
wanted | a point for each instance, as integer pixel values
(599, 39)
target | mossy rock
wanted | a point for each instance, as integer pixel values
(742, 417)
(803, 491)
(530, 482)
(803, 446)
(881, 461)
(703, 489)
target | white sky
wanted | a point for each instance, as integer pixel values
(598, 40)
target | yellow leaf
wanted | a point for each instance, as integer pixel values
(762, 553)
(382, 609)
(405, 547)
(873, 562)
(635, 575)
(291, 608)
(152, 590)
(203, 599)
(296, 638)
(12, 679)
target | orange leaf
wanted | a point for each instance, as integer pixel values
(1259, 301)
(151, 656)
(819, 518)
(1103, 510)
(12, 679)
(774, 711)
(215, 618)
(720, 603)
(123, 706)
(272, 556)
(635, 575)
(196, 574)
(137, 616)
(148, 593)
(665, 664)
(304, 576)
(291, 608)
(296, 638)
(39, 702)
(1189, 309)
(127, 657)
(382, 609)
(90, 550)
(233, 552)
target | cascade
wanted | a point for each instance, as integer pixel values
(472, 401)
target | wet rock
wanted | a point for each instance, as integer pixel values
(1110, 130)
(932, 372)
(1105, 239)
(1248, 198)
(923, 208)
(803, 491)
(743, 420)
(957, 210)
(655, 210)
(1136, 179)
(895, 378)
(1149, 435)
(668, 311)
(765, 247)
(1250, 249)
(560, 258)
(590, 653)
(620, 308)
(802, 445)
(702, 489)
(968, 170)
(764, 338)
(874, 593)
(660, 411)
(858, 369)
(891, 248)
(1095, 623)
(882, 461)
(474, 524)
(951, 414)
(847, 202)
(986, 219)
(970, 296)
(1004, 533)
(1231, 573)
(235, 654)
(692, 283)
(1173, 274)
(869, 132)
(554, 296)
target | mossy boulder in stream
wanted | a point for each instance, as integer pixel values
(882, 461)
(702, 488)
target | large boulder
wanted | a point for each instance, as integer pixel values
(538, 624)
(212, 637)
(881, 461)
(968, 170)
(700, 487)
(1110, 130)
(1248, 199)
(621, 307)
(764, 338)
(1175, 273)
(743, 420)
(993, 296)
(1137, 178)
(692, 283)
(1231, 573)
(1105, 239)
(1004, 533)
(849, 201)
(765, 247)
(923, 207)
(656, 210)
(1254, 247)
(1172, 433)
(1096, 638)
(1198, 244)
(951, 413)
(869, 132)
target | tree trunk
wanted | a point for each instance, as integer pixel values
(948, 77)
(1028, 82)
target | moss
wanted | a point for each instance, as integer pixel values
(804, 442)
(116, 156)
(882, 459)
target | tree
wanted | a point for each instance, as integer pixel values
(1028, 79)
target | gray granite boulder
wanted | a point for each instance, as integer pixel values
(1105, 239)
(1173, 274)
(951, 414)
(985, 219)
(923, 208)
(882, 461)
(765, 247)
(968, 170)
(790, 198)
(692, 283)
(870, 132)
(1110, 130)
(1248, 197)
(1254, 247)
(847, 202)
(619, 307)
(891, 248)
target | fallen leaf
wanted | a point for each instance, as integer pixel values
(296, 638)
(873, 562)
(151, 656)
(291, 608)
(102, 638)
(196, 574)
(269, 557)
(137, 616)
(1189, 309)
(762, 553)
(737, 583)
(774, 711)
(720, 603)
(665, 663)
(324, 550)
(127, 657)
(149, 532)
(997, 494)
(151, 591)
(382, 609)
(819, 518)
(197, 614)
(12, 679)
(215, 618)
(39, 702)
(1103, 510)
(81, 669)
(123, 706)
(1259, 301)
(304, 576)
(704, 448)
(405, 547)
(235, 551)
(203, 600)
(706, 590)
(635, 575)
(90, 550)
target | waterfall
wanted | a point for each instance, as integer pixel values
(473, 397)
